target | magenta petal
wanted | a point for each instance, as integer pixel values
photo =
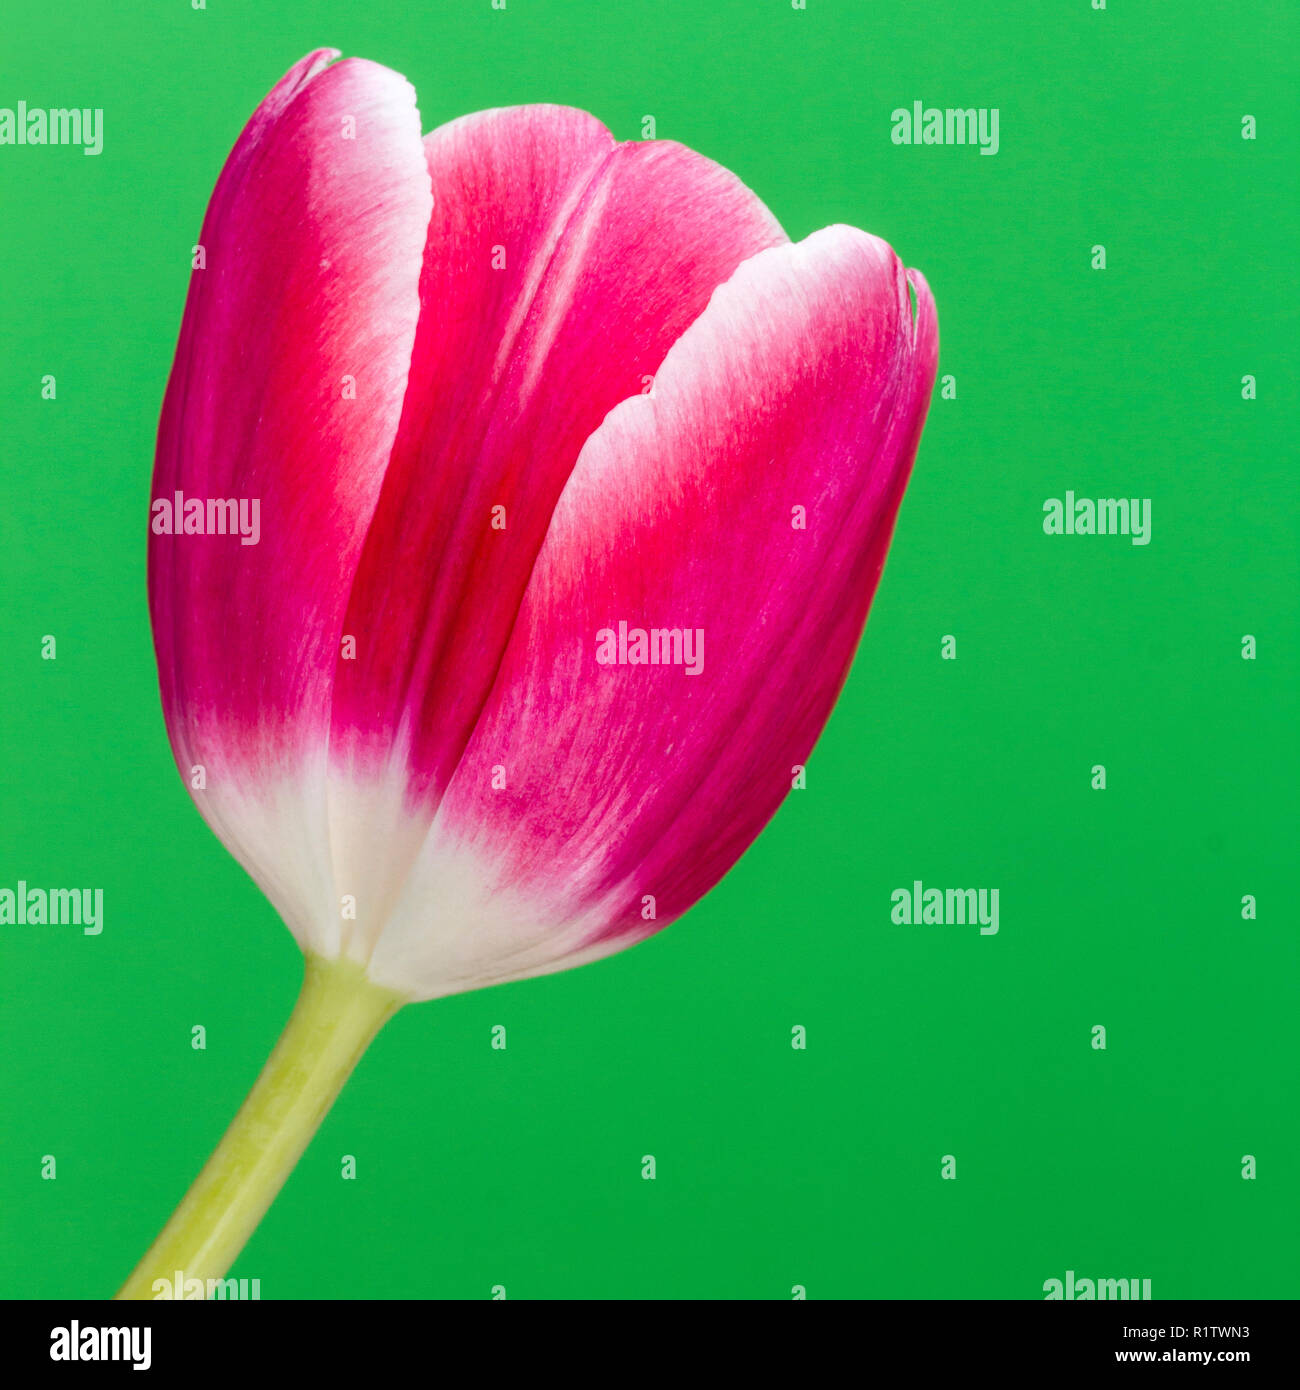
(589, 789)
(560, 268)
(287, 390)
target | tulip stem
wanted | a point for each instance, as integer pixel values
(338, 1014)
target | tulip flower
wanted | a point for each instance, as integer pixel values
(519, 499)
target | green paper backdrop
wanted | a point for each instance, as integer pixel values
(1121, 907)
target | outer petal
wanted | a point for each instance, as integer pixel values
(313, 243)
(559, 269)
(804, 385)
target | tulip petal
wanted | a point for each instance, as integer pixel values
(560, 267)
(286, 390)
(589, 789)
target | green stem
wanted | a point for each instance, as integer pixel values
(337, 1015)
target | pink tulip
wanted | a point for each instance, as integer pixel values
(510, 399)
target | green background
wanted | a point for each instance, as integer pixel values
(1119, 907)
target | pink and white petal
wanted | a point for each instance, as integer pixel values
(313, 242)
(560, 268)
(803, 385)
